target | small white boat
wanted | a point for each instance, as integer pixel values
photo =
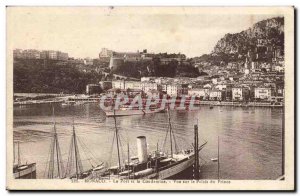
(214, 159)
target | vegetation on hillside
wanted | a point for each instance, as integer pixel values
(52, 77)
(156, 68)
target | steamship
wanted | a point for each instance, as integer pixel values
(158, 164)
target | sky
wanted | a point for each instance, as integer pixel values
(82, 32)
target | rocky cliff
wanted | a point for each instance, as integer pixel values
(266, 33)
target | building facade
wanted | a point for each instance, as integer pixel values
(262, 93)
(237, 94)
(118, 84)
(135, 85)
(215, 95)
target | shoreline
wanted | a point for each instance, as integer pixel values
(209, 103)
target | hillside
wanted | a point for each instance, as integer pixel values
(34, 76)
(262, 38)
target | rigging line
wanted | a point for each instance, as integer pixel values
(205, 162)
(170, 127)
(175, 143)
(51, 162)
(126, 131)
(69, 161)
(160, 130)
(122, 151)
(111, 149)
(125, 141)
(47, 161)
(165, 140)
(60, 160)
(117, 139)
(78, 156)
(91, 152)
(57, 158)
(85, 153)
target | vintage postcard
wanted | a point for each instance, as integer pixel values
(150, 98)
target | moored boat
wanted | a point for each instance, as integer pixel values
(129, 111)
(158, 164)
(24, 171)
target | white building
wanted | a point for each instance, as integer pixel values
(134, 85)
(207, 86)
(262, 93)
(172, 90)
(158, 80)
(118, 84)
(237, 94)
(177, 89)
(31, 54)
(214, 80)
(279, 68)
(105, 53)
(164, 87)
(147, 86)
(153, 93)
(52, 54)
(146, 79)
(221, 87)
(88, 61)
(215, 95)
(199, 92)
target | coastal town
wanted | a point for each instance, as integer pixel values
(245, 81)
(183, 104)
(245, 67)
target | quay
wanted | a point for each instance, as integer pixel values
(58, 98)
(35, 102)
(240, 104)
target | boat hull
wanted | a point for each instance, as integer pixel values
(175, 171)
(178, 171)
(27, 173)
(182, 169)
(130, 112)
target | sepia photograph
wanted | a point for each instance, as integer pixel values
(150, 98)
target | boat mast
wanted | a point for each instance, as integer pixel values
(117, 137)
(196, 149)
(75, 147)
(156, 156)
(19, 159)
(170, 129)
(14, 152)
(56, 146)
(128, 160)
(218, 160)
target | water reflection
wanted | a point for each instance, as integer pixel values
(250, 138)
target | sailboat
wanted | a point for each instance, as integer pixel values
(55, 164)
(157, 165)
(23, 171)
(74, 167)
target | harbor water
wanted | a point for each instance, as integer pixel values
(249, 138)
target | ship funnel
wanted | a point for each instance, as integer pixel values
(142, 149)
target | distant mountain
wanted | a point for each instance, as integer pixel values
(269, 31)
(266, 35)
